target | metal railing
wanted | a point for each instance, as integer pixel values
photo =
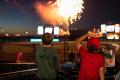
(17, 74)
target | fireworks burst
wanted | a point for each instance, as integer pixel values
(61, 12)
(69, 10)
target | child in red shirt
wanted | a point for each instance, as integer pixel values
(92, 63)
(19, 56)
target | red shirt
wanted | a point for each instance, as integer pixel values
(19, 56)
(90, 64)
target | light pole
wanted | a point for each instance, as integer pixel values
(66, 36)
(65, 47)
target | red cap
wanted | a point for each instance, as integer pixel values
(94, 41)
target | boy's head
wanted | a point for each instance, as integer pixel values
(93, 44)
(47, 38)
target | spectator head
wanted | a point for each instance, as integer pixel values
(93, 44)
(47, 38)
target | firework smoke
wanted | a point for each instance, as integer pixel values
(60, 12)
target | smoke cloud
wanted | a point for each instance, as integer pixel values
(47, 12)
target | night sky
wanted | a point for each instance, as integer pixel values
(20, 15)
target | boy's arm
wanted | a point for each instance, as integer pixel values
(80, 39)
(101, 73)
(102, 69)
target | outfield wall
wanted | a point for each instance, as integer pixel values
(8, 50)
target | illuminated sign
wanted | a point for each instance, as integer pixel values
(56, 40)
(53, 30)
(40, 40)
(56, 30)
(35, 40)
(116, 36)
(48, 29)
(40, 30)
(117, 28)
(110, 28)
(103, 28)
(110, 36)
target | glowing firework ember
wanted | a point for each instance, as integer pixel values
(61, 12)
(70, 9)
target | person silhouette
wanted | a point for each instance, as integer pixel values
(91, 62)
(19, 56)
(47, 61)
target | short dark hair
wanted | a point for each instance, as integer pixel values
(92, 49)
(47, 38)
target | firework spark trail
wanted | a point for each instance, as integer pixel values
(70, 9)
(61, 12)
